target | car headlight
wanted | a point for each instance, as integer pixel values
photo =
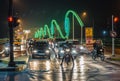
(34, 51)
(6, 48)
(47, 51)
(74, 51)
(81, 47)
(62, 51)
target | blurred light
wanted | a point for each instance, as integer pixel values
(10, 19)
(116, 19)
(104, 32)
(81, 47)
(84, 14)
(47, 65)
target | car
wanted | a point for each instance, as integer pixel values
(77, 48)
(74, 43)
(41, 49)
(59, 49)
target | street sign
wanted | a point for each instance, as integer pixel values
(113, 34)
(89, 35)
(89, 32)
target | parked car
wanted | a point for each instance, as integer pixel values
(41, 49)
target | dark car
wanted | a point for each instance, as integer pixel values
(41, 49)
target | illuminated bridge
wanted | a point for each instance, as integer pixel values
(50, 31)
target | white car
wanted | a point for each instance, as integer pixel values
(41, 49)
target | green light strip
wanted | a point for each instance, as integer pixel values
(43, 32)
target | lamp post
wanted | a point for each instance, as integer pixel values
(83, 15)
(113, 46)
(73, 26)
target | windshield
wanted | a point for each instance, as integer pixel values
(73, 42)
(41, 45)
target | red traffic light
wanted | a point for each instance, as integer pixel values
(116, 19)
(10, 19)
(15, 21)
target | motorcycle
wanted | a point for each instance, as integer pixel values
(98, 54)
(67, 57)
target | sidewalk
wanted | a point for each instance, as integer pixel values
(21, 63)
(112, 59)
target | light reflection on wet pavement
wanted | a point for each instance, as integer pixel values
(84, 69)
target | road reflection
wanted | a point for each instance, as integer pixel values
(53, 69)
(67, 73)
(40, 65)
(82, 69)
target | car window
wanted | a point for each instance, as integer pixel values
(73, 42)
(41, 44)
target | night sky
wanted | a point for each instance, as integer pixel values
(37, 13)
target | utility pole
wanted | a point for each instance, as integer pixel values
(10, 24)
(73, 26)
(113, 45)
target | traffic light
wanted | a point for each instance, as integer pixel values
(10, 19)
(116, 19)
(15, 21)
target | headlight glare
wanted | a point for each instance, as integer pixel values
(73, 51)
(81, 47)
(34, 51)
(47, 51)
(6, 48)
(62, 51)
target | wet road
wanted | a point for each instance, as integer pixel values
(85, 69)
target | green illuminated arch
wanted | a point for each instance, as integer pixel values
(55, 24)
(36, 35)
(43, 32)
(46, 29)
(67, 21)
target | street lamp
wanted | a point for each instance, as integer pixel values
(84, 14)
(113, 46)
(104, 32)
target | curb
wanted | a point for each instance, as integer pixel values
(21, 65)
(109, 60)
(17, 68)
